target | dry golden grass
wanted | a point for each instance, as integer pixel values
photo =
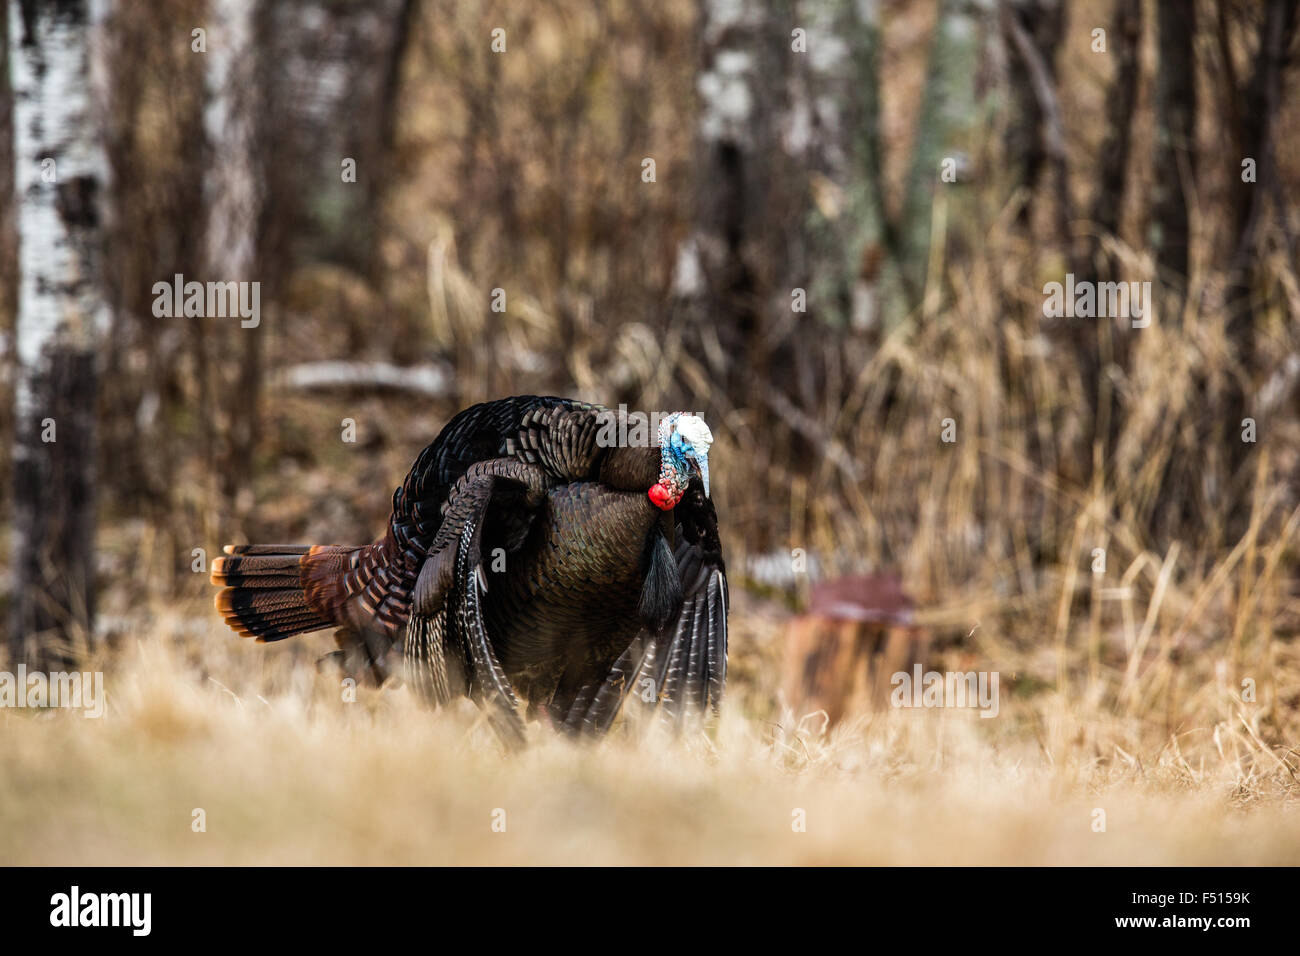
(287, 772)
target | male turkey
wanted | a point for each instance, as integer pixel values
(528, 555)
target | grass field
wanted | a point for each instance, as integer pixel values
(286, 772)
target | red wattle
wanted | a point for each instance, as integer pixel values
(662, 497)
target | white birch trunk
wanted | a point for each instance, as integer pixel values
(233, 185)
(235, 191)
(60, 178)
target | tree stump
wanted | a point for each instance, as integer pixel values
(840, 655)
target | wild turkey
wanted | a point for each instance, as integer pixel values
(529, 556)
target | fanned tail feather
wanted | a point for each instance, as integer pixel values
(266, 590)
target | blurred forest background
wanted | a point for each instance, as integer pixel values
(843, 240)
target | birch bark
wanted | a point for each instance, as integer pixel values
(60, 176)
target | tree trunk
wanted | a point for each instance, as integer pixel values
(60, 177)
(8, 260)
(747, 186)
(1175, 162)
(235, 195)
(1043, 21)
(1257, 111)
(1034, 44)
(1115, 345)
(1125, 42)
